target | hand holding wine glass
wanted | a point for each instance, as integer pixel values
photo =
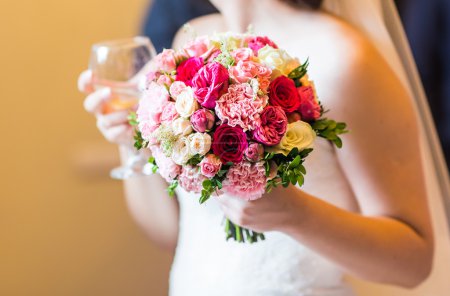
(112, 84)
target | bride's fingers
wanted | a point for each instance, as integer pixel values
(85, 82)
(120, 134)
(95, 100)
(113, 119)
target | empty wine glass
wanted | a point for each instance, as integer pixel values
(116, 64)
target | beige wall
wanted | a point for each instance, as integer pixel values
(64, 227)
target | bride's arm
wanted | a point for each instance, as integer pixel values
(151, 207)
(391, 240)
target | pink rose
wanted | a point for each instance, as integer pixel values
(169, 113)
(229, 143)
(254, 152)
(258, 42)
(168, 169)
(164, 80)
(244, 71)
(165, 61)
(177, 88)
(309, 107)
(197, 47)
(241, 106)
(210, 165)
(242, 54)
(203, 120)
(191, 179)
(246, 180)
(210, 83)
(188, 69)
(272, 127)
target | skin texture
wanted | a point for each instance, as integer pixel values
(380, 229)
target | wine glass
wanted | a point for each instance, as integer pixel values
(116, 64)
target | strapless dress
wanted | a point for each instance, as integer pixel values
(205, 264)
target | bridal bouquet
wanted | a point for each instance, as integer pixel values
(231, 113)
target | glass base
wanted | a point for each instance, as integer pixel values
(123, 173)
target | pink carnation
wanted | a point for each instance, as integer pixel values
(191, 179)
(147, 128)
(241, 106)
(165, 61)
(176, 88)
(168, 169)
(258, 42)
(169, 113)
(151, 106)
(246, 180)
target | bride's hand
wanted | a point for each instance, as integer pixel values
(275, 210)
(114, 126)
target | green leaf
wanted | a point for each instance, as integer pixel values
(302, 169)
(338, 142)
(300, 180)
(300, 71)
(195, 160)
(207, 184)
(132, 119)
(295, 162)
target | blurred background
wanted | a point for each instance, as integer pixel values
(64, 225)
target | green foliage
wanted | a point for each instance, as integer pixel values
(152, 161)
(299, 72)
(139, 142)
(330, 130)
(241, 234)
(195, 160)
(132, 119)
(172, 187)
(209, 187)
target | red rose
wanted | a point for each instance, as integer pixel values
(187, 70)
(229, 143)
(309, 108)
(283, 93)
(256, 43)
(210, 83)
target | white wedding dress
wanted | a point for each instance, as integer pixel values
(206, 265)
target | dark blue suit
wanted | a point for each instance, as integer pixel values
(167, 16)
(427, 24)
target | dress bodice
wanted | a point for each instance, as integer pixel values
(207, 265)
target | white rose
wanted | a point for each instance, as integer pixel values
(278, 60)
(181, 152)
(299, 135)
(186, 103)
(199, 143)
(181, 126)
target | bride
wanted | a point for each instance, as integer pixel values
(363, 210)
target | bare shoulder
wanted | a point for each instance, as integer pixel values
(204, 25)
